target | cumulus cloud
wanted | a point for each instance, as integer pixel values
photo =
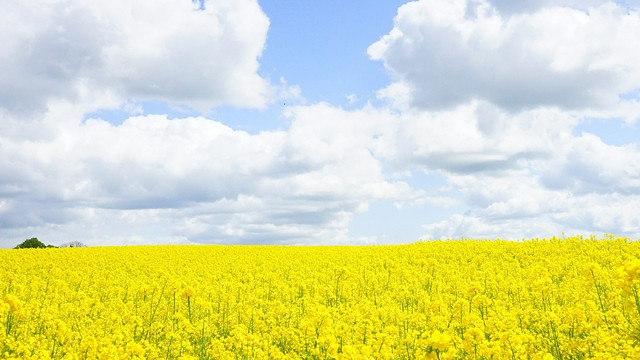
(198, 179)
(584, 186)
(446, 53)
(527, 6)
(488, 95)
(591, 166)
(475, 137)
(589, 214)
(169, 50)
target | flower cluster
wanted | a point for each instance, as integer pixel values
(574, 298)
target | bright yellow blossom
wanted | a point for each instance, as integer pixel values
(538, 299)
(439, 340)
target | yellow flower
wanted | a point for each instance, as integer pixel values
(442, 300)
(135, 349)
(440, 340)
(188, 292)
(14, 303)
(333, 349)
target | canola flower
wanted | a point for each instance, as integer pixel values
(537, 299)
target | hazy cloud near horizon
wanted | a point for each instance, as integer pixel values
(488, 96)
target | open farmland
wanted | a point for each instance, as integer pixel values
(538, 299)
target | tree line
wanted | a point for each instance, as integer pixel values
(34, 243)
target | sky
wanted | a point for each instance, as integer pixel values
(317, 122)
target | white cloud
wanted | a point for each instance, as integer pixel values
(591, 214)
(167, 50)
(489, 94)
(527, 6)
(585, 186)
(445, 53)
(591, 166)
(197, 179)
(475, 137)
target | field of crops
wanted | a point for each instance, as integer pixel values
(539, 299)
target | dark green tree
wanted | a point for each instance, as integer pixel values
(30, 244)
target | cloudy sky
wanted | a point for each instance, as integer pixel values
(317, 122)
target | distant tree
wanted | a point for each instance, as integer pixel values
(73, 244)
(31, 243)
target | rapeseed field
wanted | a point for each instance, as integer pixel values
(574, 298)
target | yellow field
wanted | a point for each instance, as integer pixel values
(539, 299)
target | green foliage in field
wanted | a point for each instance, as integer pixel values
(33, 243)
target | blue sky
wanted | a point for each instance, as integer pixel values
(317, 122)
(322, 46)
(319, 46)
